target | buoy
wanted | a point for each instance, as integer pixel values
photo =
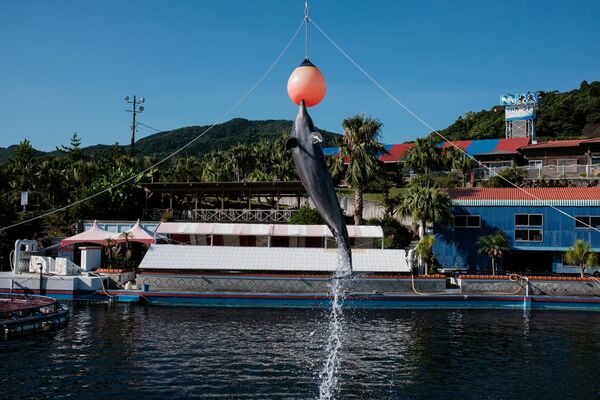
(306, 83)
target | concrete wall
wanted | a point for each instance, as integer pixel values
(551, 287)
(221, 283)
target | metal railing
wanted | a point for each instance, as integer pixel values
(572, 171)
(220, 215)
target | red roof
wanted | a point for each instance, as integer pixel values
(511, 145)
(585, 193)
(592, 140)
(462, 144)
(555, 144)
(396, 152)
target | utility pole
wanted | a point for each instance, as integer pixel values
(136, 108)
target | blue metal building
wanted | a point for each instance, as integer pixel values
(539, 234)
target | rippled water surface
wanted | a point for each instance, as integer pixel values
(160, 353)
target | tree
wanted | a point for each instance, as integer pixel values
(360, 148)
(424, 156)
(515, 175)
(109, 250)
(426, 204)
(306, 216)
(74, 150)
(238, 161)
(456, 160)
(424, 250)
(126, 236)
(494, 246)
(581, 255)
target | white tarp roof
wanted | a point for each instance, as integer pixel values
(93, 235)
(200, 228)
(229, 258)
(138, 234)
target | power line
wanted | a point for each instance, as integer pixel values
(179, 150)
(148, 126)
(408, 110)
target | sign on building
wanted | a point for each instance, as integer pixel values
(520, 114)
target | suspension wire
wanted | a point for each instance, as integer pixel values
(422, 121)
(179, 150)
(306, 20)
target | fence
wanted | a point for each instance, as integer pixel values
(573, 171)
(221, 215)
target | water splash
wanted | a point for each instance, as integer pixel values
(329, 373)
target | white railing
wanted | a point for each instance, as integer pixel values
(573, 171)
(222, 215)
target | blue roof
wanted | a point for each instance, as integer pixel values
(482, 146)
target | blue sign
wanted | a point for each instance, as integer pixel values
(518, 99)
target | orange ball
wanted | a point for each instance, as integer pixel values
(306, 83)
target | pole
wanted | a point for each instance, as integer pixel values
(133, 127)
(41, 277)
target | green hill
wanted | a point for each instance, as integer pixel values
(560, 115)
(222, 136)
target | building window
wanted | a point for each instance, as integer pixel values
(529, 235)
(566, 161)
(498, 164)
(535, 164)
(584, 222)
(467, 221)
(529, 220)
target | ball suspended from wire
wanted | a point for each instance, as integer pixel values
(306, 83)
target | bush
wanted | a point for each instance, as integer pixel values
(397, 236)
(306, 216)
(512, 174)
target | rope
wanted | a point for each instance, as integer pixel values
(409, 111)
(306, 20)
(219, 120)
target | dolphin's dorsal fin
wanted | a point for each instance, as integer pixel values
(316, 137)
(291, 143)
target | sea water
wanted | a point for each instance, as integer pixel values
(152, 352)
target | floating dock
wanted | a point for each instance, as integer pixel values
(21, 314)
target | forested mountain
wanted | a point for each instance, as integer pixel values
(560, 115)
(221, 137)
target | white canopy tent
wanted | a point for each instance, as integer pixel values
(95, 235)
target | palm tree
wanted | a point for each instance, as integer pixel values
(238, 160)
(424, 250)
(214, 168)
(423, 156)
(580, 254)
(494, 246)
(456, 160)
(109, 250)
(361, 149)
(126, 236)
(426, 204)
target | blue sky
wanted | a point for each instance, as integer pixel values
(65, 66)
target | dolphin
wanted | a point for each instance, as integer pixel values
(311, 167)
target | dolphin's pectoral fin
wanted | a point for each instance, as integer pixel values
(291, 143)
(316, 137)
